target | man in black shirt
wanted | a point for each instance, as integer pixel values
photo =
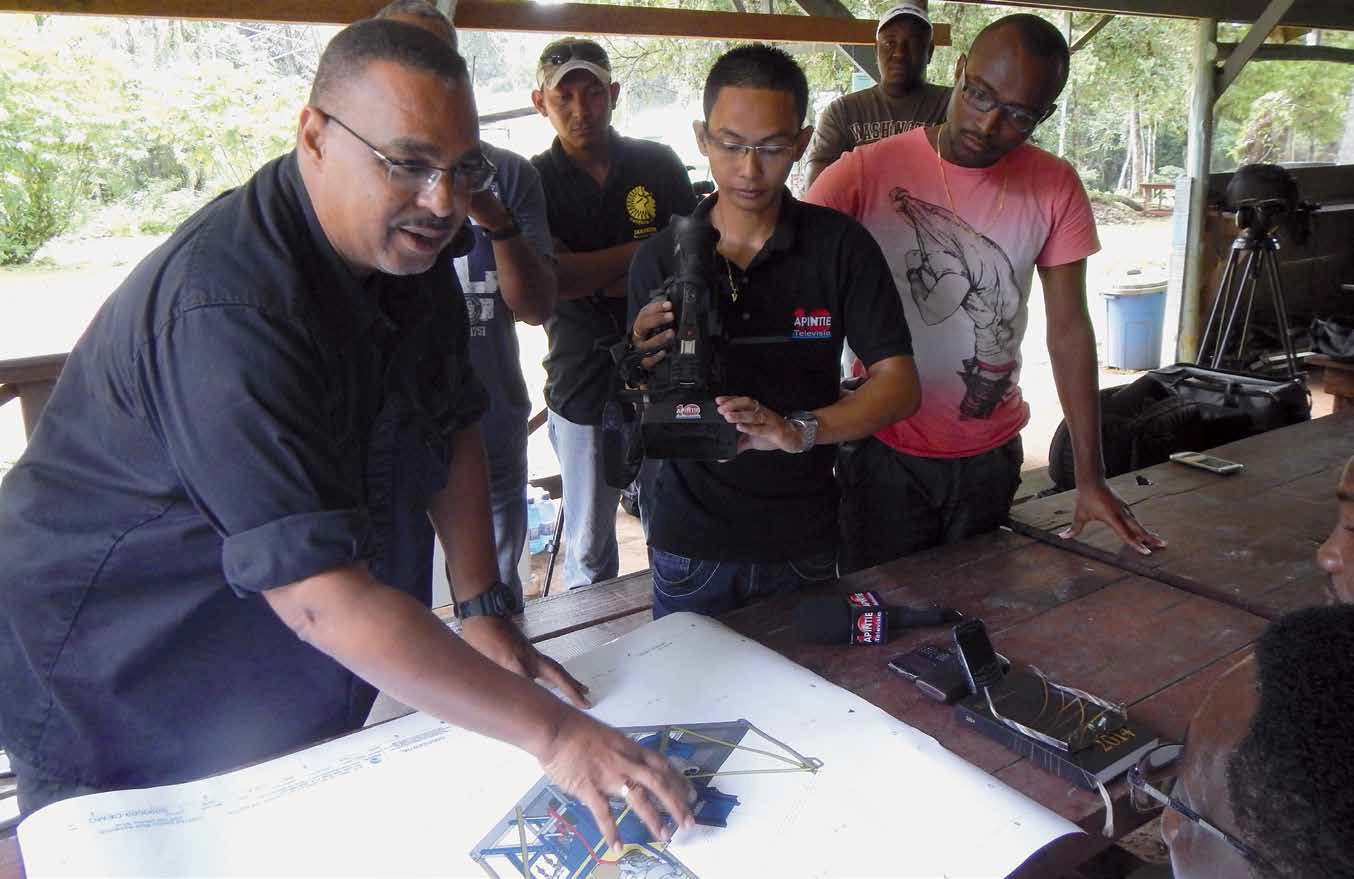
(801, 280)
(217, 544)
(604, 194)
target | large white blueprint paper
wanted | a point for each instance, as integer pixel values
(414, 796)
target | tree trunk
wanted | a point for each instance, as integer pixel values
(1135, 174)
(1345, 155)
(1067, 98)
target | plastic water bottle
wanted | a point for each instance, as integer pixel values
(548, 514)
(535, 542)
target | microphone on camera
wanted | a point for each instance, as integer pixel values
(861, 618)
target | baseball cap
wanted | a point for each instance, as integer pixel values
(916, 10)
(562, 57)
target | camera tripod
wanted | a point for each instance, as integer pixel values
(1260, 246)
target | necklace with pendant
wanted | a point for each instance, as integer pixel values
(733, 285)
(940, 163)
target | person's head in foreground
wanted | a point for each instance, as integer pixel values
(903, 47)
(575, 92)
(1336, 555)
(756, 99)
(1007, 83)
(388, 146)
(420, 13)
(1264, 786)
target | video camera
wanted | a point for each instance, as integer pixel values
(1263, 196)
(679, 418)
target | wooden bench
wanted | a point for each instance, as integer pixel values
(1337, 379)
(30, 380)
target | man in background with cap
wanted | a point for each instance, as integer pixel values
(901, 101)
(604, 195)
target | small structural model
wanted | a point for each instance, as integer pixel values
(551, 835)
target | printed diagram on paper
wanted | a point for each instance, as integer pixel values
(550, 835)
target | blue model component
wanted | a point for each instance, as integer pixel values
(712, 808)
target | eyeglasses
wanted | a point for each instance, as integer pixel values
(554, 56)
(474, 172)
(1021, 120)
(1161, 764)
(771, 152)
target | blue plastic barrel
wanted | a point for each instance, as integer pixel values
(1135, 311)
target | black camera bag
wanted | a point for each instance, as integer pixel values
(1181, 408)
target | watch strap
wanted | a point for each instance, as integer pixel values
(496, 601)
(512, 230)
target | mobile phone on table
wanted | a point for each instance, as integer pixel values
(1207, 462)
(979, 661)
(920, 662)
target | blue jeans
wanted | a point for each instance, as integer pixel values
(508, 504)
(588, 506)
(710, 588)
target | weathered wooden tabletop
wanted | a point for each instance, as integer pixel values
(1126, 637)
(1247, 540)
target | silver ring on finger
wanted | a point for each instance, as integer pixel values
(758, 408)
(626, 790)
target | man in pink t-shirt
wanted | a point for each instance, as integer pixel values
(965, 212)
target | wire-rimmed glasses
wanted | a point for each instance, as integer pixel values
(474, 172)
(1160, 765)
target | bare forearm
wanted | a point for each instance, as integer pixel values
(1075, 373)
(583, 274)
(460, 515)
(891, 393)
(395, 644)
(526, 280)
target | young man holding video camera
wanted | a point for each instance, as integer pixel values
(794, 282)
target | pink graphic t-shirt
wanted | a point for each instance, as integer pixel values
(963, 261)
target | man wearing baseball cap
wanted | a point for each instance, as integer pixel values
(604, 194)
(901, 101)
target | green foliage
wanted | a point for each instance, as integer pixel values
(97, 112)
(125, 126)
(1283, 111)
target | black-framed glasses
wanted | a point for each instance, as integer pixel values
(474, 172)
(771, 152)
(558, 54)
(1021, 120)
(1150, 786)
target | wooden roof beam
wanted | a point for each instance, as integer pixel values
(1081, 41)
(1332, 14)
(637, 21)
(1255, 37)
(502, 15)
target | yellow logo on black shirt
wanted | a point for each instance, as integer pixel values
(641, 205)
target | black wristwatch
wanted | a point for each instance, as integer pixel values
(512, 230)
(496, 601)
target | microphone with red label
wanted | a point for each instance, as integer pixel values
(861, 618)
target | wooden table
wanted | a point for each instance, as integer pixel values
(1137, 641)
(1122, 635)
(1247, 540)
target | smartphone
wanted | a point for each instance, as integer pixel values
(920, 662)
(1207, 462)
(979, 661)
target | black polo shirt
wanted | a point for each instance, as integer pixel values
(241, 414)
(820, 279)
(647, 184)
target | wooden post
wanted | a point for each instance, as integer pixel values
(1197, 166)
